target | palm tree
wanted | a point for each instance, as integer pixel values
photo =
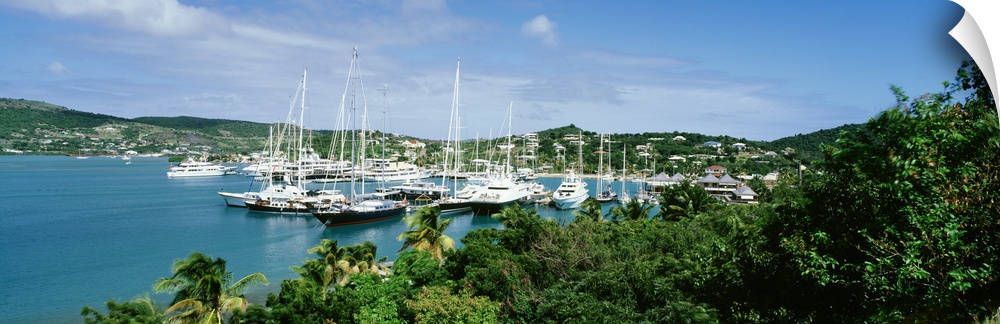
(362, 259)
(427, 233)
(631, 210)
(514, 217)
(139, 310)
(331, 267)
(205, 290)
(684, 200)
(590, 209)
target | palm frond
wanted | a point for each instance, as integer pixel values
(239, 287)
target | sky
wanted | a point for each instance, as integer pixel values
(759, 70)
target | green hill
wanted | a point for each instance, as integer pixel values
(41, 128)
(807, 146)
(18, 115)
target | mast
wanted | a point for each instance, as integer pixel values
(623, 170)
(510, 124)
(302, 129)
(579, 158)
(353, 85)
(458, 153)
(385, 107)
(600, 165)
(453, 124)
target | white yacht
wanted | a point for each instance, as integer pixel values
(415, 189)
(385, 170)
(193, 168)
(571, 193)
(500, 193)
(289, 198)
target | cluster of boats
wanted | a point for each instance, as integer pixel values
(282, 183)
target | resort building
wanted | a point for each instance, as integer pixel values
(744, 195)
(715, 170)
(413, 144)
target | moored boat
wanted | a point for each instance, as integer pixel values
(571, 192)
(361, 212)
(416, 189)
(193, 168)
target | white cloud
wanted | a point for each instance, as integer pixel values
(541, 28)
(57, 68)
(157, 17)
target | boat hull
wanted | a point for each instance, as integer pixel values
(213, 173)
(279, 208)
(454, 206)
(349, 217)
(606, 199)
(490, 208)
(568, 202)
(235, 199)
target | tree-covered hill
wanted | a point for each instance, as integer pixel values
(807, 146)
(18, 115)
(41, 128)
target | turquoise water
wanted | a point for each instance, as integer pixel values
(77, 232)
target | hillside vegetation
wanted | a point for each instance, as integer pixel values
(36, 127)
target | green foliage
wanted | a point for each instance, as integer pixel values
(590, 209)
(903, 222)
(421, 267)
(633, 209)
(16, 113)
(436, 304)
(184, 122)
(139, 310)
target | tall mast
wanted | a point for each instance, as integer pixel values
(600, 164)
(458, 152)
(452, 124)
(385, 107)
(510, 124)
(579, 158)
(354, 132)
(623, 169)
(301, 128)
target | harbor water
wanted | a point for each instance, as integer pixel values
(78, 232)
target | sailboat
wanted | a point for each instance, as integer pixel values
(624, 197)
(573, 190)
(608, 195)
(288, 196)
(459, 202)
(358, 207)
(501, 190)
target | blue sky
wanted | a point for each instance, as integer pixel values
(760, 70)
